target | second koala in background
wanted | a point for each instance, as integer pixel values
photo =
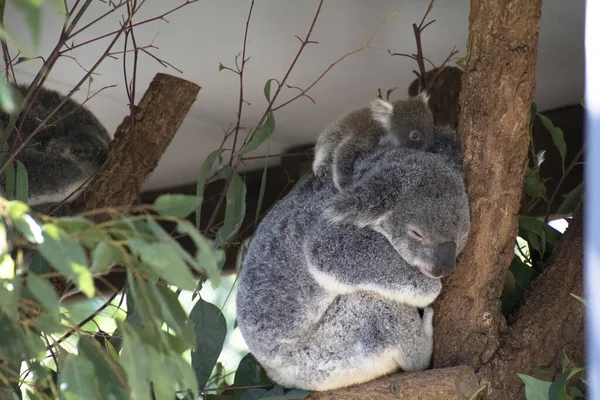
(404, 123)
(64, 154)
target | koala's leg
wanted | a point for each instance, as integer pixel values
(359, 338)
(344, 158)
(52, 177)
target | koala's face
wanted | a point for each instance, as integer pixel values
(430, 230)
(411, 124)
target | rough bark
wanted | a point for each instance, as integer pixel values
(158, 117)
(497, 91)
(548, 324)
(457, 383)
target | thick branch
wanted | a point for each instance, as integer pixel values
(497, 90)
(158, 117)
(548, 325)
(457, 383)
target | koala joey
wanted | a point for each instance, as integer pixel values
(64, 154)
(332, 282)
(405, 123)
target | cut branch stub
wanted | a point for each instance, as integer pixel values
(158, 117)
(496, 94)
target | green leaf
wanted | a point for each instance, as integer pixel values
(206, 165)
(535, 389)
(10, 292)
(106, 369)
(261, 195)
(267, 90)
(173, 313)
(77, 379)
(211, 329)
(9, 176)
(261, 134)
(557, 137)
(24, 223)
(235, 210)
(32, 10)
(165, 261)
(208, 259)
(250, 373)
(533, 184)
(9, 101)
(176, 205)
(7, 266)
(571, 200)
(44, 293)
(103, 256)
(66, 256)
(581, 299)
(136, 362)
(22, 183)
(557, 388)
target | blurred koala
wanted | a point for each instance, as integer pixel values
(64, 154)
(332, 282)
(405, 123)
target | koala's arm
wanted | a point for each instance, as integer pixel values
(345, 259)
(345, 157)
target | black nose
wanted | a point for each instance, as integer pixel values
(444, 259)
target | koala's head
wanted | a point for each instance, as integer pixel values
(408, 123)
(417, 200)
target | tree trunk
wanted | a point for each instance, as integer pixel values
(497, 90)
(547, 326)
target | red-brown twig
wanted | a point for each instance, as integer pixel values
(238, 122)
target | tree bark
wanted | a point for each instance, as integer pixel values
(496, 94)
(548, 325)
(158, 117)
(457, 383)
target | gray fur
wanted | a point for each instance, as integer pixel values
(65, 154)
(325, 299)
(405, 123)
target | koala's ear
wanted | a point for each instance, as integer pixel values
(381, 111)
(423, 96)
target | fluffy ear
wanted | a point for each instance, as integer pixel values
(423, 96)
(381, 111)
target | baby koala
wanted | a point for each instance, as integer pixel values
(404, 123)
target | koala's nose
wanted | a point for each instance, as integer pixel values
(444, 259)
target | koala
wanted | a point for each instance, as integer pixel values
(62, 156)
(405, 123)
(333, 281)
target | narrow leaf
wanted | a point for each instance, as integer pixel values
(235, 210)
(77, 380)
(176, 205)
(261, 194)
(557, 137)
(206, 165)
(535, 389)
(571, 200)
(211, 329)
(261, 134)
(267, 89)
(22, 183)
(67, 256)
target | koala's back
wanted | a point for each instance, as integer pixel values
(357, 126)
(64, 153)
(275, 290)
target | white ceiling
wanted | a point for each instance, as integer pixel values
(201, 35)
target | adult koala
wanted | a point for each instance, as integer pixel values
(332, 283)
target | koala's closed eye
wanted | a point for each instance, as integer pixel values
(416, 234)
